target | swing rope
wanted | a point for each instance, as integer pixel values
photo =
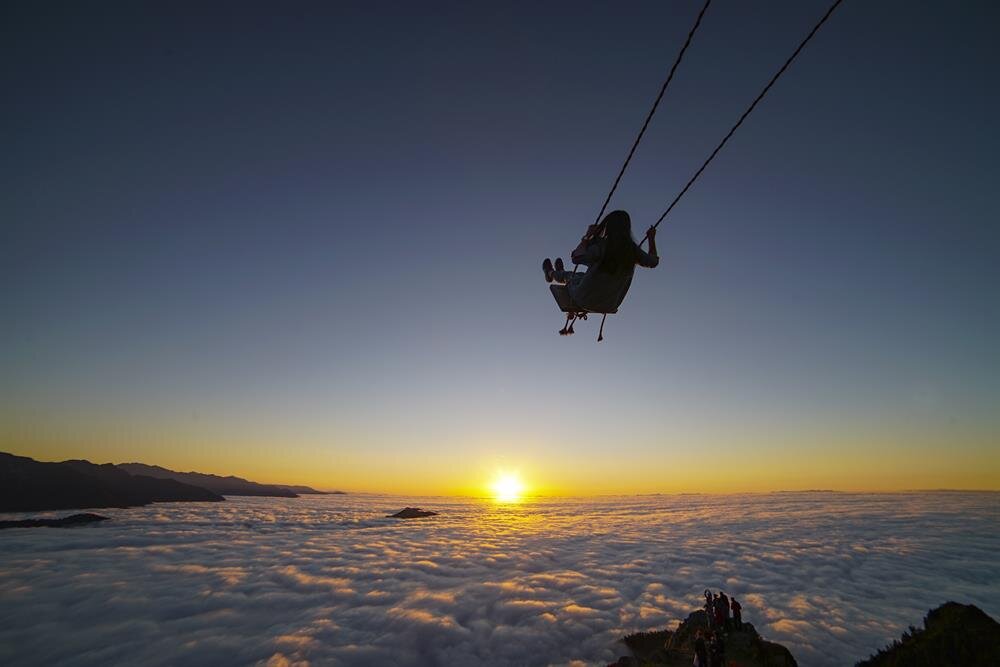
(568, 328)
(573, 316)
(746, 113)
(649, 116)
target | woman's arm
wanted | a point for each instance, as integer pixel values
(650, 259)
(585, 252)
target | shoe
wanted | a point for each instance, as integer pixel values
(559, 264)
(547, 268)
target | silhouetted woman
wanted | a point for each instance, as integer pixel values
(610, 254)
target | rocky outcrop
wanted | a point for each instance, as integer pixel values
(27, 485)
(411, 513)
(954, 635)
(62, 522)
(675, 648)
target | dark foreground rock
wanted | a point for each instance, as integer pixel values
(954, 635)
(62, 522)
(27, 485)
(411, 513)
(675, 648)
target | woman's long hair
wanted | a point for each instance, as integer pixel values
(620, 249)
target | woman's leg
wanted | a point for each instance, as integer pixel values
(547, 269)
(551, 272)
(560, 275)
(565, 277)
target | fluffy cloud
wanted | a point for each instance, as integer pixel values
(325, 580)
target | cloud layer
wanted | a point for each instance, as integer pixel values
(326, 580)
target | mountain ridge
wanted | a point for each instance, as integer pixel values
(229, 485)
(27, 485)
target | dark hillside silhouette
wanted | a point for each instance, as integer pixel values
(27, 485)
(954, 635)
(224, 486)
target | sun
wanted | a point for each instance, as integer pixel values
(507, 488)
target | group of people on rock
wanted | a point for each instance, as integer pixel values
(718, 608)
(724, 614)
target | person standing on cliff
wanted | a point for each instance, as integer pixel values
(724, 606)
(737, 614)
(709, 608)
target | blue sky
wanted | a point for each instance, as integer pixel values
(306, 241)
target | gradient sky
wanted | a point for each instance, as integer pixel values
(302, 244)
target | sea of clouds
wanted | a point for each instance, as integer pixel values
(328, 581)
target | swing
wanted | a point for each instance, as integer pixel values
(561, 293)
(575, 312)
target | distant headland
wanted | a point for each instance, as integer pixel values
(224, 486)
(27, 485)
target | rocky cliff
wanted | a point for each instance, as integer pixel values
(675, 648)
(954, 635)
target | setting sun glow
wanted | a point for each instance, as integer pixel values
(507, 488)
